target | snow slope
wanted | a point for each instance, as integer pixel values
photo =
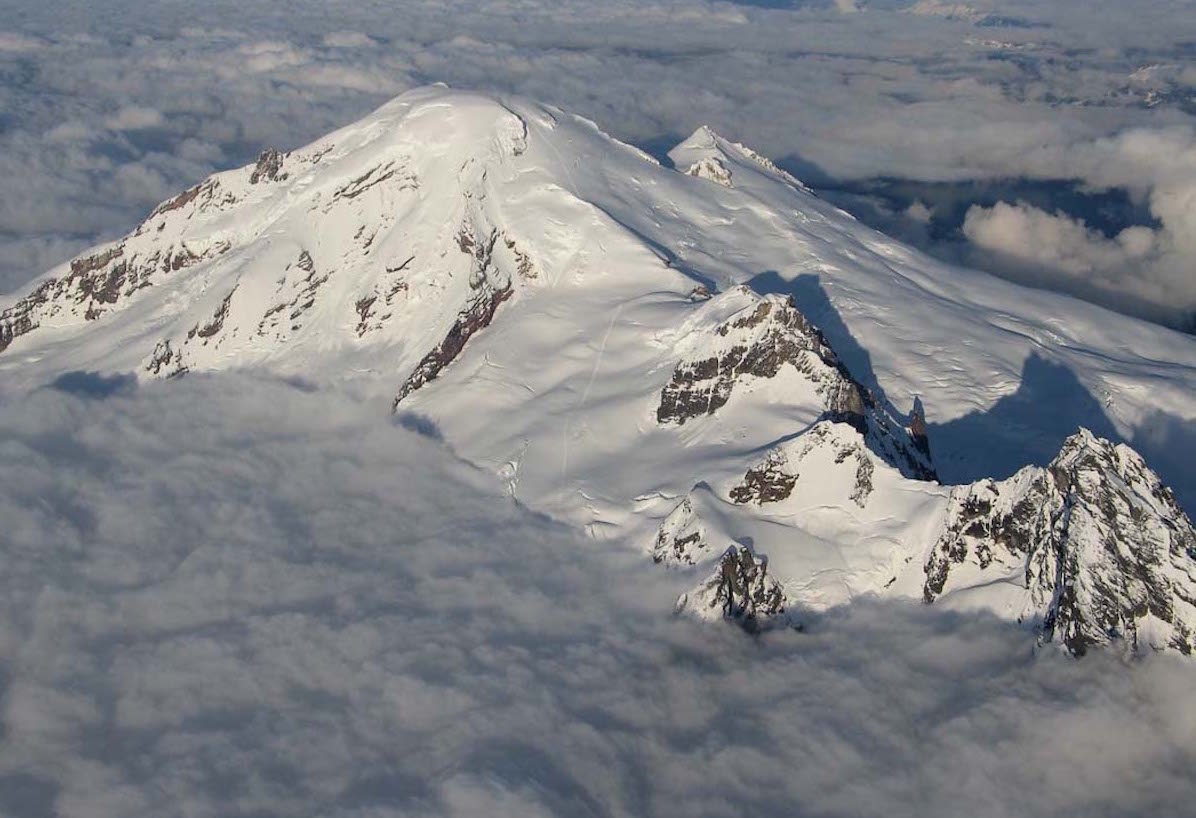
(615, 339)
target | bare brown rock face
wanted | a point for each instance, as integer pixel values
(757, 344)
(182, 200)
(268, 167)
(95, 284)
(775, 478)
(475, 317)
(20, 317)
(98, 280)
(681, 539)
(742, 589)
(376, 176)
(216, 324)
(365, 311)
(774, 334)
(1102, 550)
(523, 263)
(165, 361)
(767, 483)
(302, 298)
(201, 197)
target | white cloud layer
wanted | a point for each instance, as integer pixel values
(107, 114)
(1152, 265)
(228, 597)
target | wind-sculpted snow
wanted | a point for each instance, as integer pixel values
(230, 596)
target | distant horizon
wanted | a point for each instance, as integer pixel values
(1064, 160)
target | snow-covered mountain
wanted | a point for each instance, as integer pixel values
(704, 359)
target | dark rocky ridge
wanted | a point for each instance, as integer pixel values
(473, 318)
(491, 288)
(776, 334)
(1104, 551)
(681, 538)
(94, 283)
(268, 167)
(774, 478)
(741, 591)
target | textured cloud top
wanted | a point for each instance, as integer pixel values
(369, 626)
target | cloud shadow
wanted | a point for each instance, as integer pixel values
(94, 384)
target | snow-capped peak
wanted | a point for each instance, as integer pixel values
(709, 156)
(622, 344)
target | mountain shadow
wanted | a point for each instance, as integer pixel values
(1025, 428)
(907, 451)
(812, 301)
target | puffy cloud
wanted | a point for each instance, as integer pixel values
(228, 596)
(951, 11)
(348, 39)
(1150, 265)
(13, 42)
(1055, 240)
(223, 596)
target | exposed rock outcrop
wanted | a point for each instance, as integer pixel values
(740, 590)
(1103, 552)
(165, 361)
(473, 318)
(767, 482)
(712, 169)
(216, 323)
(756, 343)
(96, 284)
(376, 176)
(300, 293)
(681, 538)
(491, 286)
(22, 317)
(774, 478)
(268, 167)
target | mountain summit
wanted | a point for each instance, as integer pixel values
(705, 358)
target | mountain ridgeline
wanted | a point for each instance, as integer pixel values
(636, 349)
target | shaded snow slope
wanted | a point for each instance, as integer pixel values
(604, 334)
